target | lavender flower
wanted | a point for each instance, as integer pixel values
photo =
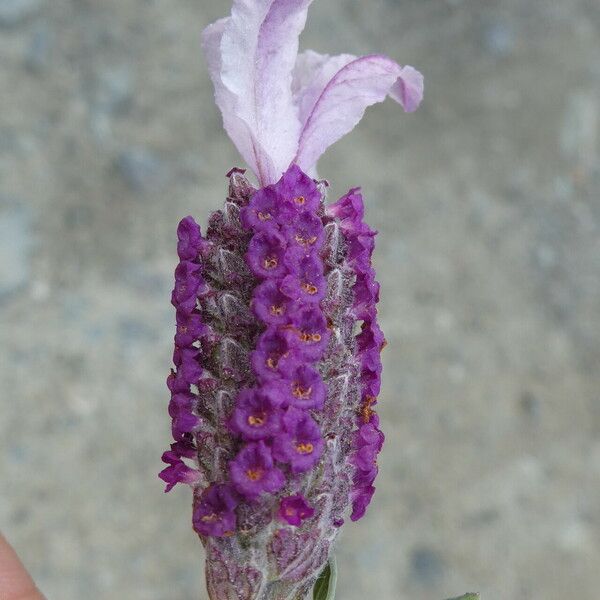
(295, 510)
(277, 347)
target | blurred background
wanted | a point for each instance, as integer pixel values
(487, 202)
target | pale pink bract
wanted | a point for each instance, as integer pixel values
(280, 107)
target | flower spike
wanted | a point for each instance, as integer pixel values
(277, 344)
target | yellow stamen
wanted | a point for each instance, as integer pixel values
(306, 241)
(299, 392)
(257, 420)
(366, 411)
(209, 518)
(309, 288)
(304, 448)
(270, 262)
(310, 337)
(277, 310)
(300, 200)
(254, 474)
(264, 216)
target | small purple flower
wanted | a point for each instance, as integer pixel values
(176, 383)
(370, 338)
(304, 388)
(359, 249)
(253, 473)
(369, 435)
(186, 361)
(360, 501)
(366, 294)
(266, 254)
(256, 415)
(299, 189)
(181, 401)
(266, 209)
(187, 283)
(365, 459)
(308, 333)
(178, 471)
(306, 282)
(305, 231)
(274, 356)
(270, 304)
(189, 239)
(184, 422)
(181, 409)
(295, 509)
(300, 444)
(189, 328)
(349, 209)
(214, 514)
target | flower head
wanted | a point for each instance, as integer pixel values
(277, 345)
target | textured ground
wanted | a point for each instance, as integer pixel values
(487, 202)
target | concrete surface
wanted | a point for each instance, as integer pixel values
(487, 202)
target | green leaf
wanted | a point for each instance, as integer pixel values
(325, 585)
(466, 597)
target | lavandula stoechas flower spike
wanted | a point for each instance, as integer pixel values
(277, 344)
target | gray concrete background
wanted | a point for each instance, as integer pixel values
(487, 202)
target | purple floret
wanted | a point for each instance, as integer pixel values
(178, 471)
(306, 282)
(299, 189)
(295, 509)
(348, 209)
(187, 283)
(308, 333)
(256, 415)
(306, 231)
(181, 409)
(253, 472)
(270, 304)
(266, 209)
(186, 361)
(266, 254)
(366, 294)
(370, 338)
(176, 383)
(189, 239)
(189, 328)
(274, 356)
(360, 502)
(304, 388)
(300, 444)
(214, 514)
